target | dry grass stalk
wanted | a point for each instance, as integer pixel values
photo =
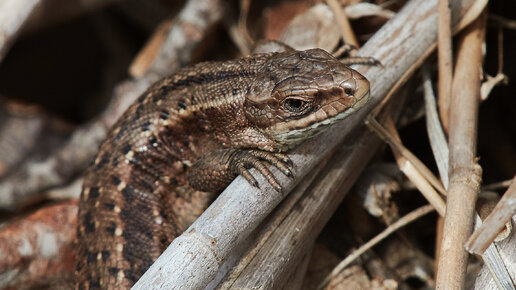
(342, 19)
(445, 61)
(464, 171)
(499, 275)
(435, 132)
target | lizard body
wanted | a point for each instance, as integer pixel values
(186, 138)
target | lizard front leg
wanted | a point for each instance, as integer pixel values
(215, 170)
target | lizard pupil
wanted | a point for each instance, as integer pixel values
(294, 105)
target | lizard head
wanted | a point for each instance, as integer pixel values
(301, 93)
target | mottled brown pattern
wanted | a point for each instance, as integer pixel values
(186, 138)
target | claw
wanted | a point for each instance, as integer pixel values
(276, 186)
(280, 161)
(283, 168)
(284, 158)
(248, 176)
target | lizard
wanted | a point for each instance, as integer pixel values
(187, 137)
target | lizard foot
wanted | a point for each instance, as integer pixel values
(215, 170)
(243, 160)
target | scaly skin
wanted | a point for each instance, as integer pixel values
(185, 140)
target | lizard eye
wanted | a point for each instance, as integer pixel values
(295, 105)
(349, 91)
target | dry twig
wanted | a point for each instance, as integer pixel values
(403, 221)
(465, 173)
(445, 61)
(347, 33)
(413, 168)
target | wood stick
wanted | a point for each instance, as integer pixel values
(342, 19)
(464, 171)
(298, 231)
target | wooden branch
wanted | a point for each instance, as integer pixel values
(299, 230)
(465, 173)
(239, 260)
(27, 130)
(192, 260)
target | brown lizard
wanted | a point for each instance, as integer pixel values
(187, 137)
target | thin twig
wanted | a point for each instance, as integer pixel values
(403, 221)
(342, 19)
(497, 185)
(445, 61)
(395, 142)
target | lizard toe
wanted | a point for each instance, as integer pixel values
(280, 161)
(257, 159)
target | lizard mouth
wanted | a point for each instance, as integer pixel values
(295, 131)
